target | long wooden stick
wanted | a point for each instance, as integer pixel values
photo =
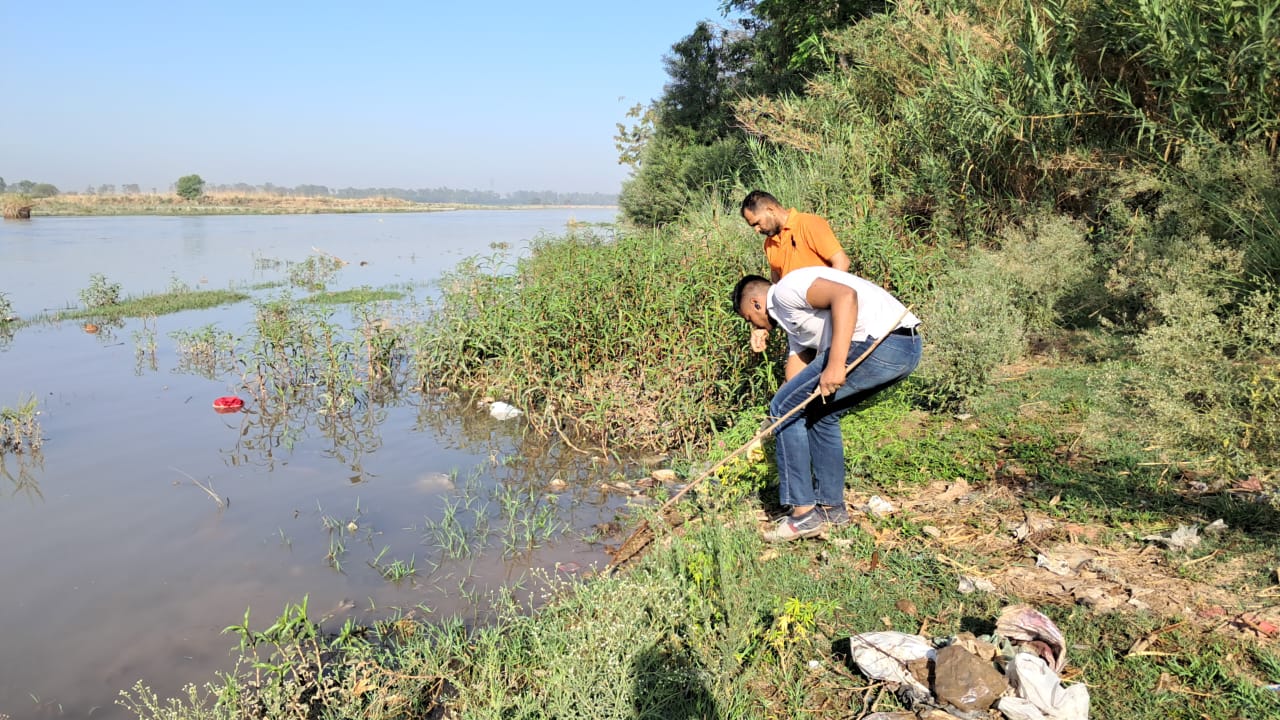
(644, 525)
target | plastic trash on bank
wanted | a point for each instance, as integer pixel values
(886, 656)
(1016, 670)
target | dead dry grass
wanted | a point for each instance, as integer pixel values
(988, 536)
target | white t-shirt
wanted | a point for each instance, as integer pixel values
(809, 328)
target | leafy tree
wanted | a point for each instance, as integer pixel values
(785, 38)
(190, 187)
(2, 185)
(132, 189)
(701, 77)
(630, 141)
(24, 187)
(106, 189)
(42, 190)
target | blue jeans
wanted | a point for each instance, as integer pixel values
(808, 445)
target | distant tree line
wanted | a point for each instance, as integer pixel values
(426, 195)
(29, 188)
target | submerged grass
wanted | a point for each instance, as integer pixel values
(355, 295)
(158, 304)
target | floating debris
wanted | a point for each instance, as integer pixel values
(499, 410)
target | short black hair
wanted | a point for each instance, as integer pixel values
(744, 285)
(755, 199)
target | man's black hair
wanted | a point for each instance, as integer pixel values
(755, 199)
(741, 289)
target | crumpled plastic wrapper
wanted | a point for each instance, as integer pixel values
(1040, 694)
(1026, 624)
(884, 656)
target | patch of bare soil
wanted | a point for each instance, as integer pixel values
(997, 545)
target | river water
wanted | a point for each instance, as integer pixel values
(115, 566)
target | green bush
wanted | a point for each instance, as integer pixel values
(1208, 383)
(1050, 263)
(675, 174)
(972, 325)
(190, 187)
(100, 292)
(622, 338)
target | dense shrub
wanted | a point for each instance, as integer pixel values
(972, 325)
(628, 338)
(1051, 268)
(1207, 383)
(676, 173)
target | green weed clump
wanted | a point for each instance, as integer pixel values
(299, 357)
(1207, 380)
(101, 293)
(315, 272)
(626, 338)
(20, 428)
(1051, 267)
(206, 351)
(8, 321)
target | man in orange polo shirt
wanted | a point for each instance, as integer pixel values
(792, 240)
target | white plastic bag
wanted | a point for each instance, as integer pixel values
(502, 411)
(1038, 688)
(884, 656)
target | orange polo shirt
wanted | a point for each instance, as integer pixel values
(804, 241)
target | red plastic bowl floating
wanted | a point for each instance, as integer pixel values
(228, 404)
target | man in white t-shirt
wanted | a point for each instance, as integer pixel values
(830, 317)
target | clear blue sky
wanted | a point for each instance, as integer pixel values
(467, 94)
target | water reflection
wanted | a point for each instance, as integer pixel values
(19, 472)
(193, 236)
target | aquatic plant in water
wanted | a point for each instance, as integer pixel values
(19, 428)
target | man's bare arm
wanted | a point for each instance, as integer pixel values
(842, 301)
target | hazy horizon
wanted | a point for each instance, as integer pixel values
(401, 95)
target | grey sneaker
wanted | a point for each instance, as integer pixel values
(835, 515)
(793, 528)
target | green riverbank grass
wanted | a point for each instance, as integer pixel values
(714, 623)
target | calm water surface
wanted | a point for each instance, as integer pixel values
(115, 567)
